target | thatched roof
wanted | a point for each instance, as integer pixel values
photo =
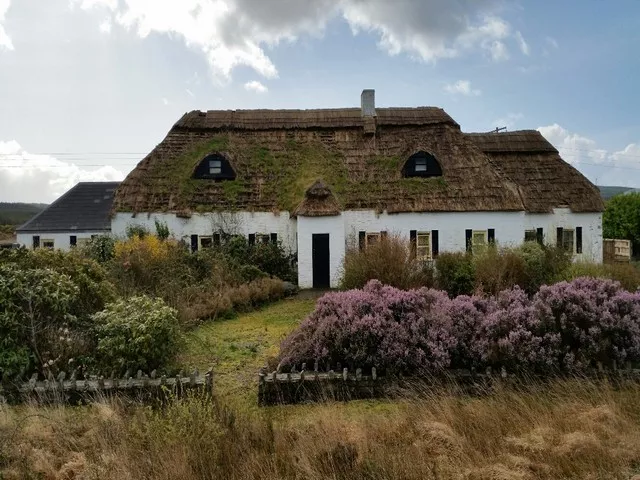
(277, 154)
(319, 201)
(546, 181)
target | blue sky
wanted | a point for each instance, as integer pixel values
(87, 87)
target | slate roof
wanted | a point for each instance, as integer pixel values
(84, 208)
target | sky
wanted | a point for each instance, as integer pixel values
(89, 87)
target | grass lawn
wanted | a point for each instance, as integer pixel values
(237, 348)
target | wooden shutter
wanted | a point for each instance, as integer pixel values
(540, 236)
(559, 237)
(435, 248)
(274, 238)
(194, 243)
(252, 239)
(491, 235)
(413, 242)
(216, 240)
(578, 239)
(36, 241)
(468, 234)
(73, 240)
(362, 239)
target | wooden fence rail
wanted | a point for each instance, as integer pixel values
(313, 386)
(141, 387)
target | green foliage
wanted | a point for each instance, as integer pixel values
(162, 230)
(455, 273)
(135, 230)
(621, 219)
(100, 248)
(19, 213)
(627, 274)
(270, 258)
(37, 327)
(136, 333)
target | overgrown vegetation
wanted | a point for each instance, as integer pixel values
(488, 272)
(566, 327)
(621, 219)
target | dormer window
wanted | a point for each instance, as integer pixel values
(422, 164)
(215, 166)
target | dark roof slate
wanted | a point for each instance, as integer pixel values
(84, 208)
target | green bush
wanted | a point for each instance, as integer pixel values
(621, 219)
(135, 230)
(100, 248)
(38, 330)
(162, 230)
(390, 261)
(139, 333)
(498, 269)
(455, 273)
(270, 258)
(628, 275)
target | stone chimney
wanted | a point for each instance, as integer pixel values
(368, 103)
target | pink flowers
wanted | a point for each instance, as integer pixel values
(564, 327)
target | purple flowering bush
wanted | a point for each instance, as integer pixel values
(568, 326)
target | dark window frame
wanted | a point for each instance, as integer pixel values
(432, 167)
(203, 170)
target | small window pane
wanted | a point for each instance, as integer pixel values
(421, 165)
(261, 238)
(47, 243)
(215, 167)
(568, 240)
(373, 238)
(206, 242)
(479, 238)
(423, 250)
(530, 236)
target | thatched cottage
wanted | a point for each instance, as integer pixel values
(321, 181)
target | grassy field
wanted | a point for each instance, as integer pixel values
(567, 430)
(237, 348)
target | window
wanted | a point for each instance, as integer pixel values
(47, 243)
(478, 240)
(373, 238)
(530, 236)
(568, 240)
(205, 242)
(215, 167)
(422, 164)
(423, 246)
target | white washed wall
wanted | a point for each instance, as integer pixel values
(61, 241)
(237, 223)
(307, 226)
(591, 224)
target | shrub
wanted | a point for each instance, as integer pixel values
(389, 261)
(628, 275)
(37, 327)
(100, 248)
(621, 219)
(136, 231)
(270, 258)
(455, 273)
(497, 269)
(136, 333)
(565, 327)
(162, 230)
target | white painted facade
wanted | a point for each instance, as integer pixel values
(296, 234)
(61, 241)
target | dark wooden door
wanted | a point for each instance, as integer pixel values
(320, 260)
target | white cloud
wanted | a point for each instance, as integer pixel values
(232, 33)
(462, 87)
(618, 168)
(509, 121)
(552, 41)
(524, 46)
(5, 40)
(255, 86)
(105, 27)
(26, 177)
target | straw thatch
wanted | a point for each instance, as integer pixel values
(319, 201)
(277, 154)
(546, 181)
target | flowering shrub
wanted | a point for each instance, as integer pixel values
(568, 326)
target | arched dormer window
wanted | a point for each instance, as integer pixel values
(422, 164)
(215, 166)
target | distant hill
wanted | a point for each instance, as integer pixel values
(608, 192)
(18, 213)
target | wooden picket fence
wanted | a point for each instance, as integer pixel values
(142, 387)
(344, 384)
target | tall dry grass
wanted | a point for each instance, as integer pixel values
(568, 430)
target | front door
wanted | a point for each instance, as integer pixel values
(320, 260)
